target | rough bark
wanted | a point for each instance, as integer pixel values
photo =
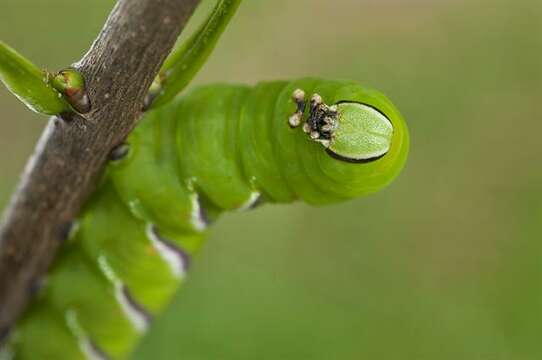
(63, 171)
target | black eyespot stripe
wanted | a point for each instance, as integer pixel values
(353, 161)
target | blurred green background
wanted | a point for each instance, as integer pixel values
(446, 263)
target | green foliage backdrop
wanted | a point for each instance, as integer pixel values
(444, 264)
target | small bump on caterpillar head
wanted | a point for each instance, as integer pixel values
(322, 121)
(294, 120)
(298, 96)
(316, 100)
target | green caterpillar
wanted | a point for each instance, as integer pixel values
(218, 148)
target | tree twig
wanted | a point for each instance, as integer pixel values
(62, 172)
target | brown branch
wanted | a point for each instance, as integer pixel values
(71, 153)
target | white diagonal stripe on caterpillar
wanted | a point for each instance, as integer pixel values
(134, 312)
(87, 347)
(172, 256)
(196, 215)
(252, 199)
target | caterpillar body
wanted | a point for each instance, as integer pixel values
(218, 148)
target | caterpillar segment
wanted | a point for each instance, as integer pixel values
(218, 148)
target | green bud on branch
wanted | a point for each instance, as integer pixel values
(72, 85)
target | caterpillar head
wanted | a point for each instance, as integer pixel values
(362, 138)
(349, 130)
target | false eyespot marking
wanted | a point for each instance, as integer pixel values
(349, 131)
(364, 134)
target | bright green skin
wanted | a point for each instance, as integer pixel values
(221, 143)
